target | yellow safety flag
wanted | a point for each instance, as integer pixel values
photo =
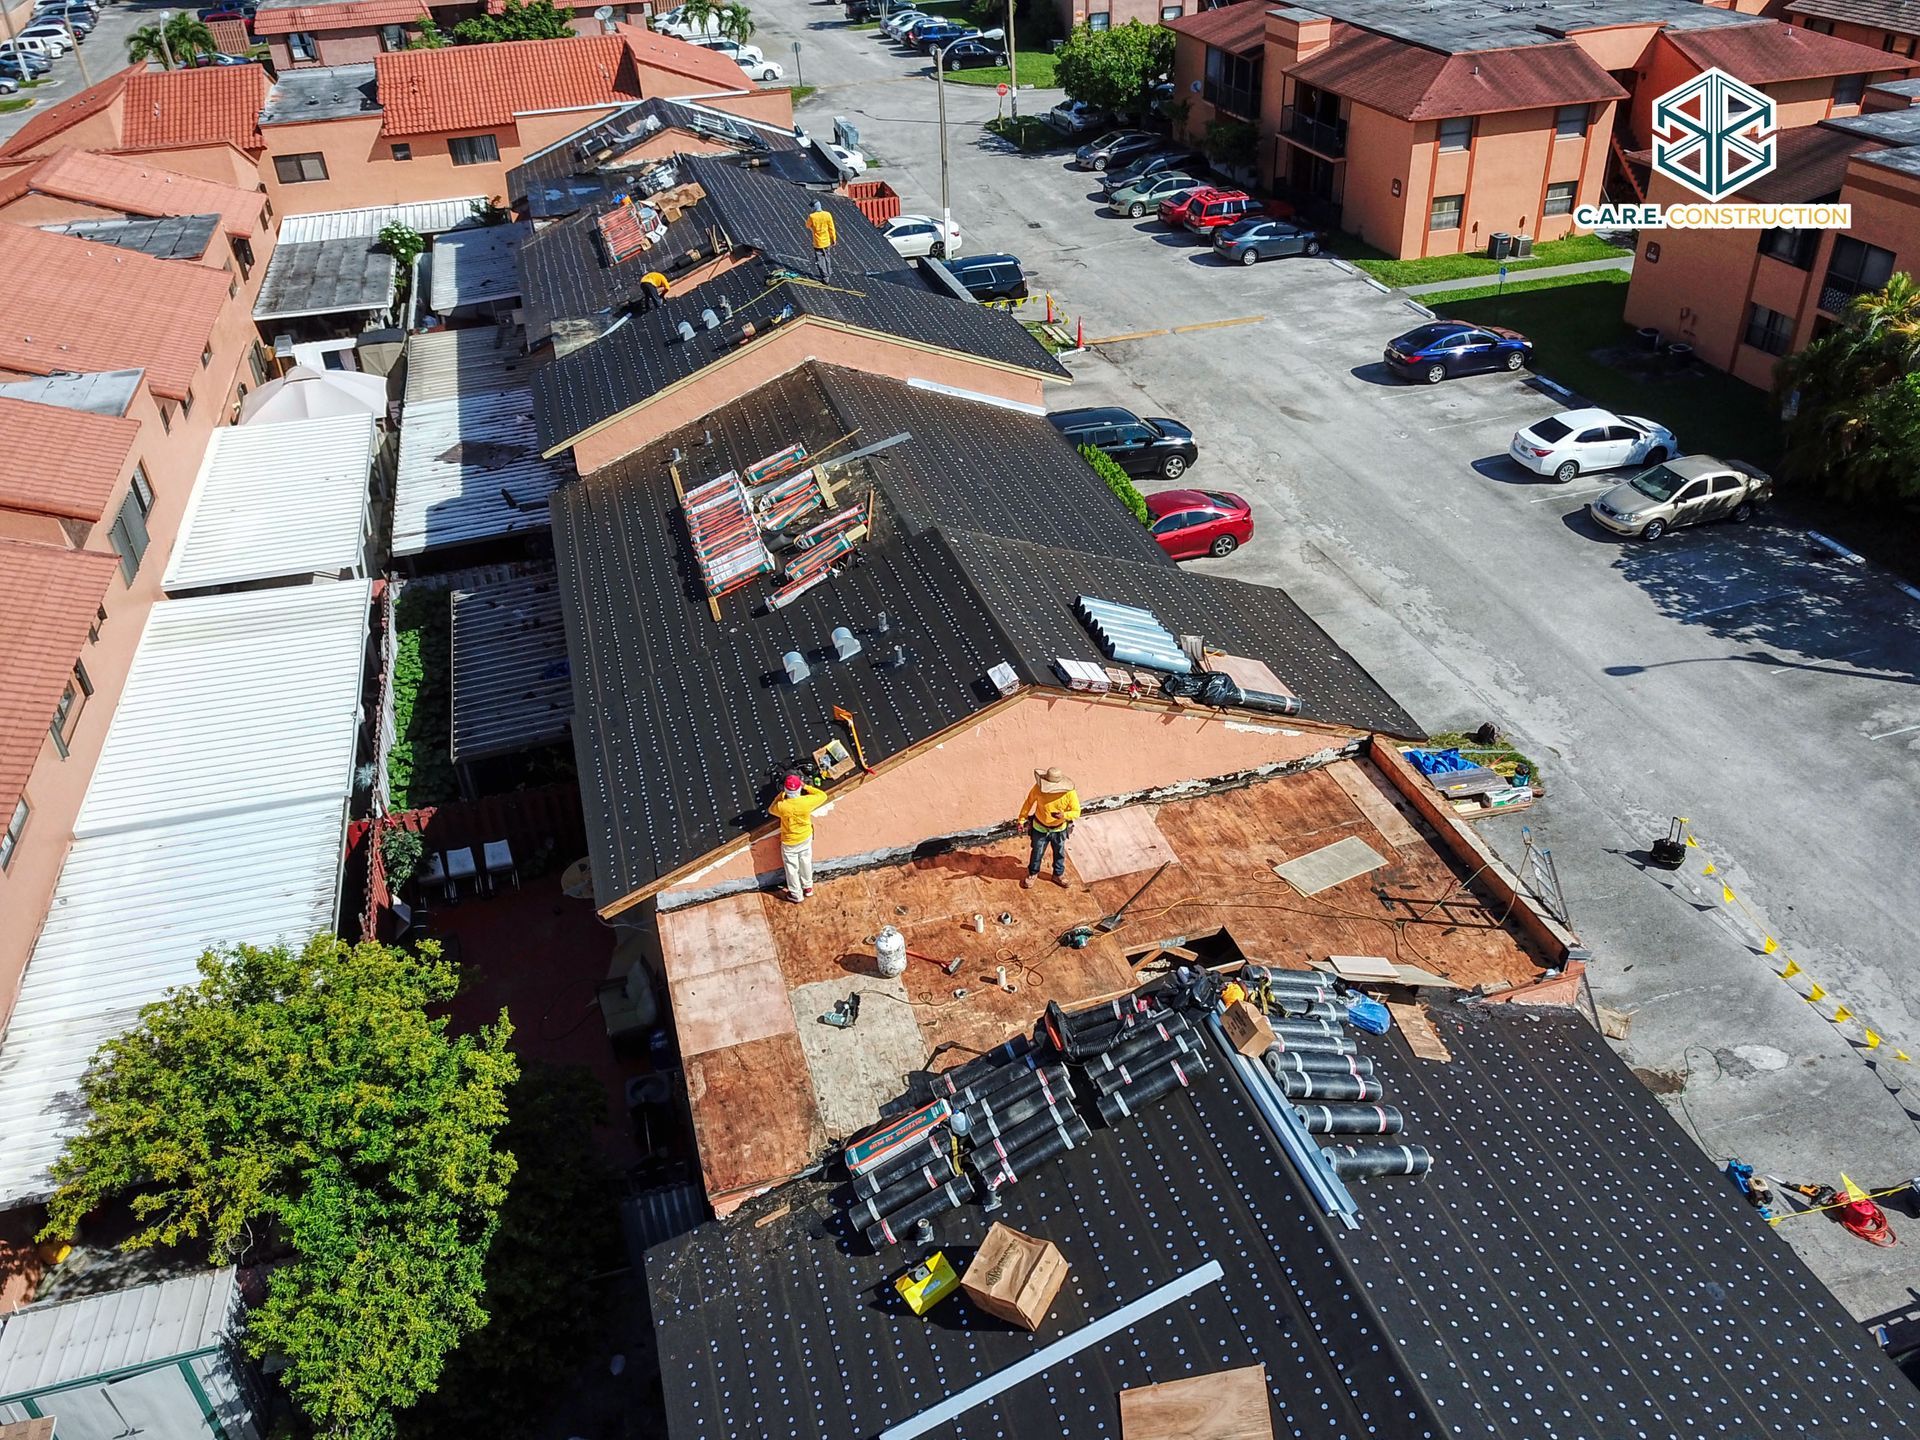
(1854, 1193)
(1726, 894)
(1793, 969)
(1873, 1041)
(1769, 944)
(1695, 844)
(1816, 993)
(1902, 1055)
(1842, 1013)
(1710, 869)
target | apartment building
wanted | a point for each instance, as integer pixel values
(418, 125)
(1744, 298)
(353, 32)
(1105, 14)
(1427, 130)
(120, 363)
(1889, 25)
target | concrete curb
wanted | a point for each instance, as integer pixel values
(1827, 542)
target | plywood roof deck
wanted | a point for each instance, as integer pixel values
(1414, 910)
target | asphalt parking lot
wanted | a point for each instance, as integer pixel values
(103, 53)
(1739, 675)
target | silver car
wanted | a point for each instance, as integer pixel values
(1688, 491)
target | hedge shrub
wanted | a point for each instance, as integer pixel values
(1118, 481)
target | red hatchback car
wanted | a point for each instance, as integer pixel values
(1192, 523)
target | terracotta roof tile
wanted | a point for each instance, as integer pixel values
(52, 597)
(1902, 17)
(172, 108)
(75, 305)
(1233, 28)
(1418, 84)
(73, 465)
(322, 18)
(141, 188)
(664, 52)
(1767, 51)
(1810, 164)
(481, 87)
(48, 124)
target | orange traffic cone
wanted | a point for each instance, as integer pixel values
(1864, 1218)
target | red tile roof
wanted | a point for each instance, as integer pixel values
(52, 597)
(482, 87)
(48, 124)
(1417, 84)
(1810, 163)
(76, 305)
(168, 109)
(73, 465)
(140, 188)
(321, 19)
(1233, 28)
(1768, 51)
(678, 57)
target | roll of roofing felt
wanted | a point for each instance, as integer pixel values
(935, 1143)
(992, 1152)
(1328, 1087)
(1069, 1134)
(949, 1082)
(1313, 1044)
(989, 1081)
(996, 1120)
(1307, 1028)
(1050, 1080)
(1319, 1062)
(1153, 1086)
(1351, 1119)
(1105, 1082)
(897, 1226)
(922, 1181)
(1146, 1037)
(1362, 1162)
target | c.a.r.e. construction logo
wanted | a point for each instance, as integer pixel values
(1713, 134)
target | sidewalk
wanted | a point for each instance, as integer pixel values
(1543, 272)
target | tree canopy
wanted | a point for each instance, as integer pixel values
(1114, 69)
(1855, 431)
(520, 20)
(176, 42)
(301, 1106)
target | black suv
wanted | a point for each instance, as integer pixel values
(990, 277)
(1158, 446)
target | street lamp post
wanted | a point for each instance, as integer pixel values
(1013, 73)
(940, 80)
(166, 50)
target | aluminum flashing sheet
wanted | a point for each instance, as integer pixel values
(277, 500)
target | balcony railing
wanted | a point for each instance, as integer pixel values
(1324, 137)
(1234, 99)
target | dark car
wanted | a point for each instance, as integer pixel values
(990, 277)
(1116, 147)
(1251, 241)
(929, 38)
(1453, 347)
(1145, 167)
(1157, 446)
(1191, 523)
(974, 54)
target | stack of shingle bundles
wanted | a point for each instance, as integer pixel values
(726, 540)
(784, 501)
(823, 545)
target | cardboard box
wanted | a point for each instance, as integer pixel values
(1247, 1028)
(1015, 1276)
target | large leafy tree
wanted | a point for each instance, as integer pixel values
(179, 40)
(1114, 69)
(301, 1106)
(520, 20)
(1855, 432)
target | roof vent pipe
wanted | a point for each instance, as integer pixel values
(844, 645)
(797, 669)
(726, 308)
(710, 320)
(686, 333)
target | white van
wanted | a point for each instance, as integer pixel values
(51, 49)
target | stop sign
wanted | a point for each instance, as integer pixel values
(1003, 88)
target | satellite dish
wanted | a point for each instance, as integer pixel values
(603, 14)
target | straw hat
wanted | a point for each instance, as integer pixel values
(1052, 781)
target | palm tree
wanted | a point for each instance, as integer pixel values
(148, 44)
(697, 14)
(736, 23)
(183, 37)
(1855, 429)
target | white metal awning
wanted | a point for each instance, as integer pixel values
(216, 815)
(470, 469)
(476, 267)
(277, 500)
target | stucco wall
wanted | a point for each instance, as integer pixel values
(354, 45)
(978, 775)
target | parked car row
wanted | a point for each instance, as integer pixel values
(56, 28)
(1143, 173)
(950, 43)
(1186, 523)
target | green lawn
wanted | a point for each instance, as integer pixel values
(1035, 67)
(1570, 251)
(1552, 282)
(1027, 132)
(15, 102)
(1580, 340)
(797, 93)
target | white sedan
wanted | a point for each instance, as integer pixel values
(917, 235)
(760, 69)
(1575, 441)
(850, 160)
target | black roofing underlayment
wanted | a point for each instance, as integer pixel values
(1572, 1269)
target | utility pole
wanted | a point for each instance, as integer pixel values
(73, 35)
(1013, 74)
(940, 80)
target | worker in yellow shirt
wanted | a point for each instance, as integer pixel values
(1052, 807)
(820, 228)
(794, 810)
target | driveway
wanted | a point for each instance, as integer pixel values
(1741, 676)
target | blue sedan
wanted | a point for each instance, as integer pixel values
(1451, 347)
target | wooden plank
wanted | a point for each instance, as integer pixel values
(1367, 789)
(1111, 843)
(1421, 1037)
(730, 1007)
(701, 939)
(1227, 1405)
(753, 1114)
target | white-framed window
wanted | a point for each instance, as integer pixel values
(1172, 12)
(1570, 121)
(1559, 198)
(1445, 213)
(303, 45)
(1457, 133)
(473, 149)
(1100, 20)
(16, 826)
(401, 150)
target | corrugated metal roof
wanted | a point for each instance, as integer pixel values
(43, 1346)
(472, 361)
(470, 469)
(277, 500)
(512, 683)
(216, 815)
(472, 267)
(234, 701)
(429, 217)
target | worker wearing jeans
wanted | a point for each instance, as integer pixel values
(794, 810)
(1052, 807)
(820, 230)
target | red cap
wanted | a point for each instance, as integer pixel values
(793, 783)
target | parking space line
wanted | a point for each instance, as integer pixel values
(1740, 604)
(1889, 734)
(1553, 495)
